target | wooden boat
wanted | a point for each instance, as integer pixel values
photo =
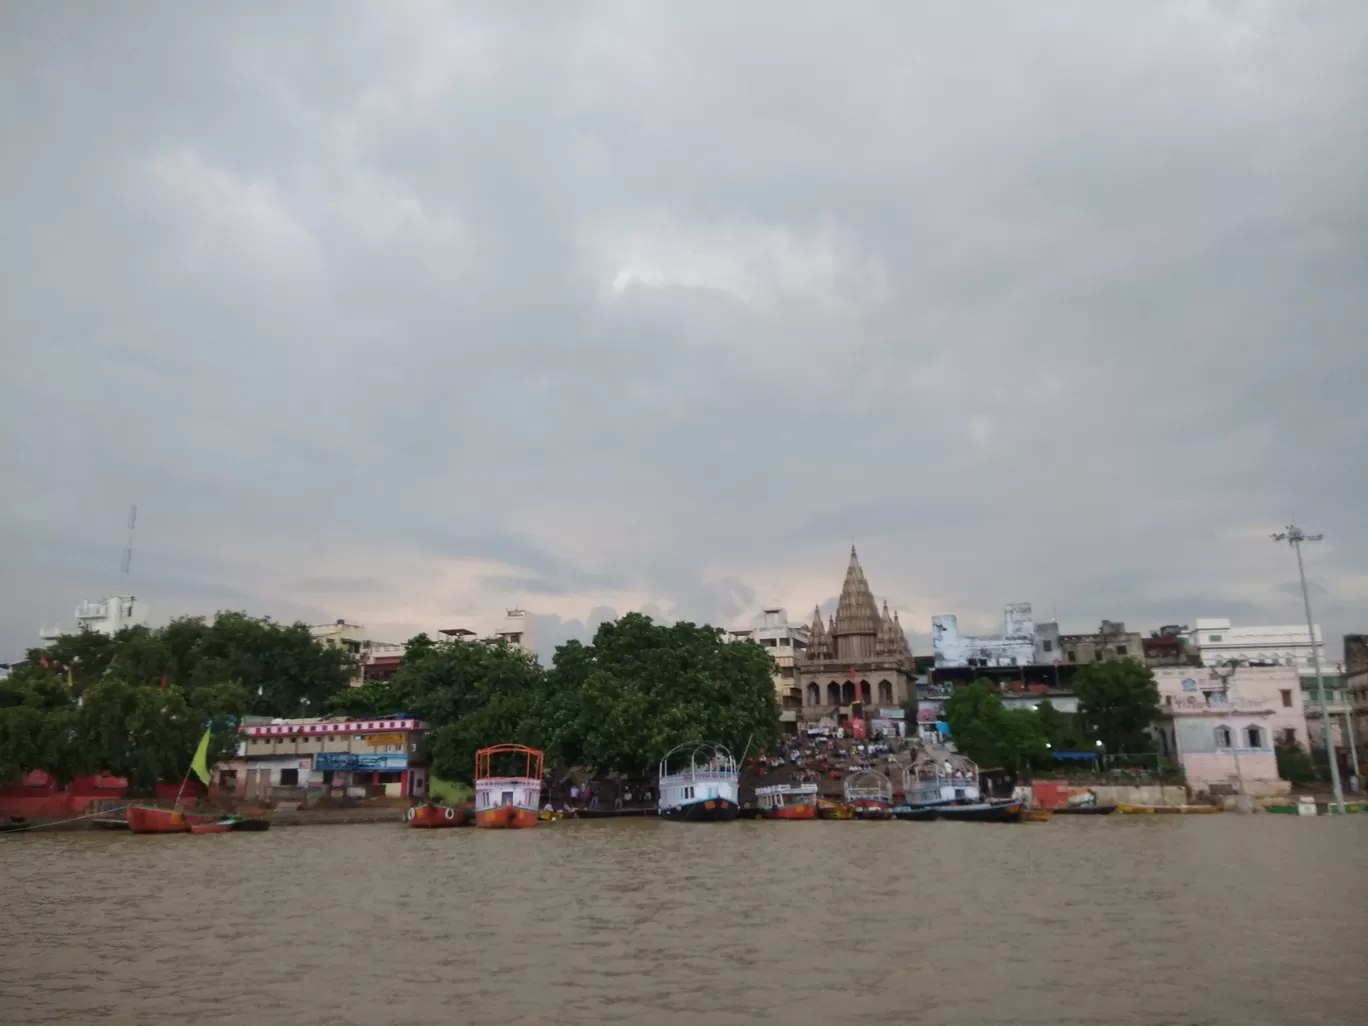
(435, 814)
(1171, 810)
(550, 816)
(1037, 815)
(938, 776)
(699, 783)
(828, 809)
(915, 813)
(787, 801)
(510, 800)
(1085, 810)
(982, 812)
(221, 827)
(252, 823)
(149, 819)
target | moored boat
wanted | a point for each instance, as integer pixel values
(504, 798)
(252, 823)
(149, 819)
(982, 812)
(937, 776)
(435, 815)
(828, 809)
(1037, 815)
(220, 827)
(787, 801)
(869, 795)
(1086, 810)
(915, 814)
(1171, 810)
(699, 783)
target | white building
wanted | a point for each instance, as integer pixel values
(786, 642)
(515, 630)
(1217, 642)
(1015, 646)
(107, 617)
(340, 634)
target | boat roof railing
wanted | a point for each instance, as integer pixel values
(702, 757)
(868, 784)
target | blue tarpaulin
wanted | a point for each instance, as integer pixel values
(1075, 755)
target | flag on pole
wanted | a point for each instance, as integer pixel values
(163, 682)
(43, 659)
(199, 765)
(69, 681)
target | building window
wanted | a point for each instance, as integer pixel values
(1073, 657)
(1223, 739)
(1168, 700)
(1120, 650)
(1255, 737)
(1288, 736)
(1098, 656)
(1286, 697)
(1047, 645)
(289, 778)
(1213, 639)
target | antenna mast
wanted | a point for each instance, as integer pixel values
(127, 563)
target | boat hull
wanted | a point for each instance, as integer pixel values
(1168, 810)
(506, 817)
(1037, 815)
(806, 810)
(1009, 812)
(210, 828)
(1085, 810)
(432, 816)
(145, 819)
(713, 810)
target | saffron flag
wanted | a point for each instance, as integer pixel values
(43, 659)
(199, 765)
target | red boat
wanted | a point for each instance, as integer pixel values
(784, 801)
(148, 819)
(507, 801)
(433, 814)
(221, 827)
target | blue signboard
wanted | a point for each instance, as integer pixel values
(384, 761)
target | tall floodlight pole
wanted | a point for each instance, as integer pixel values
(1294, 536)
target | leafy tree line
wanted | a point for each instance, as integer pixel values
(135, 704)
(618, 703)
(1117, 702)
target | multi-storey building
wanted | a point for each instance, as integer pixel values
(328, 757)
(1217, 642)
(1356, 682)
(786, 642)
(1111, 641)
(104, 617)
(1221, 724)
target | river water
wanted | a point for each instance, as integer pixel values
(1218, 919)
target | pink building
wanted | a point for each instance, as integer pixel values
(1221, 723)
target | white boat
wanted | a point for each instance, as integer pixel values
(938, 776)
(699, 783)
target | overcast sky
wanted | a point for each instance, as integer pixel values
(409, 312)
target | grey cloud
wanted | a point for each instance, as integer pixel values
(1041, 303)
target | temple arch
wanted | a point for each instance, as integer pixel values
(833, 693)
(885, 693)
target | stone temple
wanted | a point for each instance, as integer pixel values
(859, 655)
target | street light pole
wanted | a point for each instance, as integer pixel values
(1294, 536)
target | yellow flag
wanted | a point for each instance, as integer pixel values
(69, 676)
(449, 792)
(199, 765)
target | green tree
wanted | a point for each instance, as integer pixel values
(1294, 763)
(1117, 701)
(373, 699)
(1060, 729)
(37, 726)
(641, 688)
(976, 718)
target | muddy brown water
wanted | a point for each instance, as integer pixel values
(1219, 919)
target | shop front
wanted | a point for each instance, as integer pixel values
(364, 775)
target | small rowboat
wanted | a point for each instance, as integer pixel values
(1037, 815)
(827, 809)
(221, 827)
(1171, 810)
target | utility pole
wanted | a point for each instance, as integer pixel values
(1294, 536)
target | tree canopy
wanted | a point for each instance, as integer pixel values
(991, 734)
(1118, 701)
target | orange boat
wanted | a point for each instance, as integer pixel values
(508, 800)
(434, 814)
(784, 801)
(148, 819)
